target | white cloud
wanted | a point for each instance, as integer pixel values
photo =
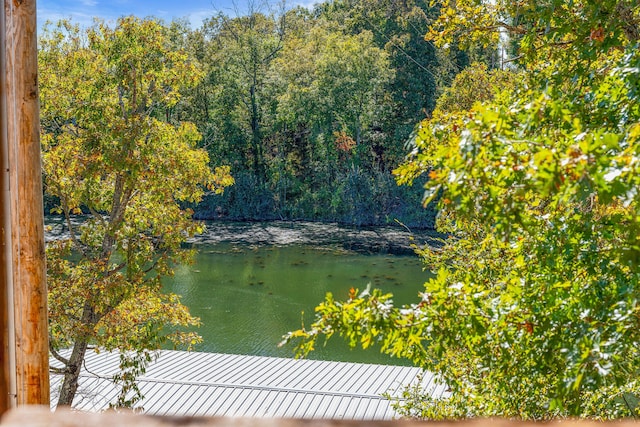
(308, 4)
(197, 18)
(77, 17)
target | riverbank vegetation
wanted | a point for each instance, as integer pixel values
(312, 108)
(534, 310)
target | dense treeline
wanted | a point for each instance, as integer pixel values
(312, 108)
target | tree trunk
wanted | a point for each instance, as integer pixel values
(70, 382)
(73, 368)
(256, 137)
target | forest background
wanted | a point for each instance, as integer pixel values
(313, 109)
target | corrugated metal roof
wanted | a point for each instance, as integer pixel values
(212, 384)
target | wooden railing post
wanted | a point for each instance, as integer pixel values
(27, 255)
(4, 277)
(5, 231)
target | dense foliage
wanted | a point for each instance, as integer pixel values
(533, 311)
(312, 108)
(109, 150)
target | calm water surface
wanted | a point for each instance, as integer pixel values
(249, 296)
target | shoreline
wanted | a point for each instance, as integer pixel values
(388, 239)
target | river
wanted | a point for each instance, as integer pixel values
(252, 282)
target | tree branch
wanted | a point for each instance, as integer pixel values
(58, 356)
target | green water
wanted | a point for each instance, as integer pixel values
(249, 296)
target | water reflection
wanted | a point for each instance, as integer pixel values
(251, 281)
(249, 296)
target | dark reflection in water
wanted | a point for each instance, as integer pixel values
(249, 296)
(252, 281)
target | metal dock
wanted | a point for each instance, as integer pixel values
(226, 385)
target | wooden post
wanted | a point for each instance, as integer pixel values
(5, 232)
(20, 88)
(4, 263)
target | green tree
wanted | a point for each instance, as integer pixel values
(534, 308)
(352, 76)
(325, 102)
(246, 47)
(332, 93)
(421, 70)
(108, 152)
(333, 82)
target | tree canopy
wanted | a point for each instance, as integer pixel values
(533, 310)
(285, 89)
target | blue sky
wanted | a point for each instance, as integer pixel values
(83, 11)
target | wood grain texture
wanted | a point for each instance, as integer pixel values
(27, 217)
(5, 229)
(4, 248)
(4, 278)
